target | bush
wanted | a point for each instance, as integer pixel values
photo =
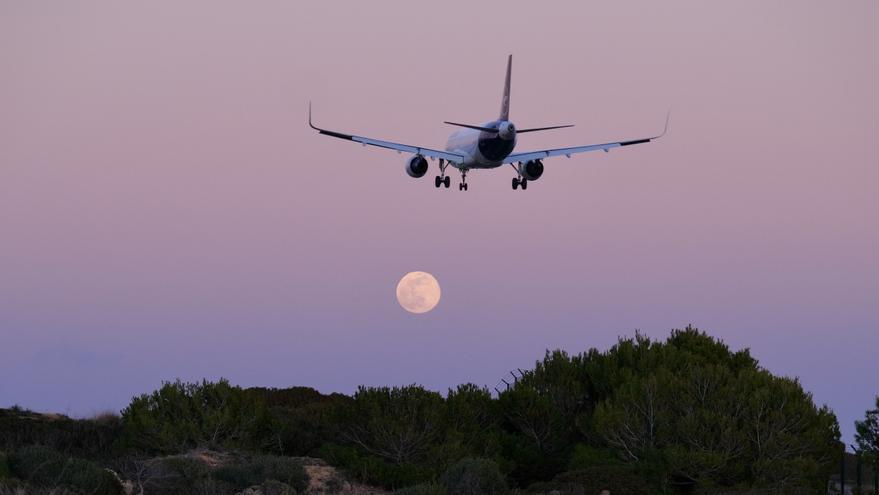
(264, 468)
(422, 489)
(474, 476)
(181, 416)
(4, 466)
(372, 470)
(85, 438)
(555, 488)
(585, 457)
(46, 467)
(274, 487)
(617, 479)
(14, 487)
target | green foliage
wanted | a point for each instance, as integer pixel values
(302, 419)
(87, 438)
(373, 470)
(275, 487)
(258, 469)
(682, 415)
(398, 424)
(181, 416)
(586, 456)
(4, 467)
(474, 476)
(423, 489)
(867, 433)
(696, 415)
(43, 466)
(617, 479)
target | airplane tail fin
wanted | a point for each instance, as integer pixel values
(505, 103)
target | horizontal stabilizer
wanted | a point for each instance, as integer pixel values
(533, 129)
(478, 128)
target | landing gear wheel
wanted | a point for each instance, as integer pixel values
(437, 181)
(515, 183)
(463, 185)
(524, 184)
(447, 181)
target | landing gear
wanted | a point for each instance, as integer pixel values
(463, 185)
(442, 179)
(520, 182)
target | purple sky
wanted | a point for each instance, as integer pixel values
(165, 211)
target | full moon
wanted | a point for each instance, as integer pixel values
(418, 292)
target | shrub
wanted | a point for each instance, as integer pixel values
(43, 466)
(4, 466)
(422, 489)
(617, 479)
(585, 456)
(274, 487)
(86, 438)
(180, 416)
(474, 476)
(554, 488)
(264, 468)
(373, 470)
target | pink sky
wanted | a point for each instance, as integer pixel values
(165, 212)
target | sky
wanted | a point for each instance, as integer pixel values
(166, 212)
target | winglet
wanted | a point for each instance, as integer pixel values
(665, 129)
(309, 118)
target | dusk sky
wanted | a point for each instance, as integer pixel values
(166, 212)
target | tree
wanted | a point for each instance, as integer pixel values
(867, 433)
(694, 414)
(399, 424)
(180, 416)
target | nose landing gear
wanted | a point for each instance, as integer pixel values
(463, 185)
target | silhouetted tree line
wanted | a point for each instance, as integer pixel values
(676, 416)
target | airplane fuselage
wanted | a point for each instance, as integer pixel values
(483, 149)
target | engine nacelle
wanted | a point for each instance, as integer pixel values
(532, 169)
(416, 166)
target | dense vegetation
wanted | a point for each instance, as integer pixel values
(680, 416)
(867, 436)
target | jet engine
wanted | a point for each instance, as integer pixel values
(532, 169)
(416, 166)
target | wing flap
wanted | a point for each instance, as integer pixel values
(537, 155)
(428, 152)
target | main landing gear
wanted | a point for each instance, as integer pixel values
(520, 182)
(442, 179)
(463, 185)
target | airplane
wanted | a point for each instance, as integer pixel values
(485, 146)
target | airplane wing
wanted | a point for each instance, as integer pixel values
(418, 150)
(538, 155)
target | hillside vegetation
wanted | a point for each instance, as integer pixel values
(684, 415)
